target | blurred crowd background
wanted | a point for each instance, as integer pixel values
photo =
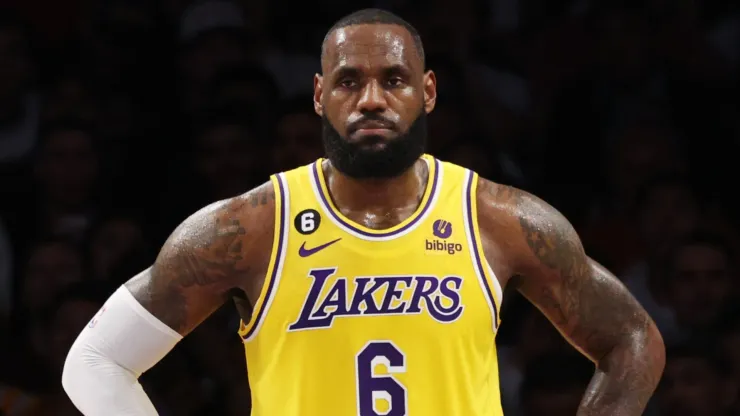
(119, 118)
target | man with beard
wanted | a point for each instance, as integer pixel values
(370, 282)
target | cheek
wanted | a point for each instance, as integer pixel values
(338, 113)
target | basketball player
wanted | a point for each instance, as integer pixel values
(370, 282)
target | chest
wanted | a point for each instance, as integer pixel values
(423, 279)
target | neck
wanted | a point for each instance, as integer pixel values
(351, 194)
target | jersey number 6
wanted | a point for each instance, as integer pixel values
(372, 388)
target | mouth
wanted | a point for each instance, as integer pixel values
(372, 132)
(368, 125)
(372, 128)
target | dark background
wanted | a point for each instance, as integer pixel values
(119, 118)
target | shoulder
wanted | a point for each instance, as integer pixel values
(503, 205)
(525, 225)
(233, 215)
(514, 204)
(229, 233)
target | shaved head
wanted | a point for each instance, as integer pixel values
(375, 16)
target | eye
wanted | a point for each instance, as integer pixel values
(395, 81)
(347, 83)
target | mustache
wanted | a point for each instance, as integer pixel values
(371, 121)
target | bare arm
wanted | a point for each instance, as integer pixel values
(209, 254)
(217, 249)
(589, 306)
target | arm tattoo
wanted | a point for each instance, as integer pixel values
(199, 263)
(588, 305)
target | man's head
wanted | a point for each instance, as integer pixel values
(51, 265)
(67, 162)
(668, 209)
(373, 94)
(225, 148)
(700, 277)
(297, 135)
(693, 384)
(73, 308)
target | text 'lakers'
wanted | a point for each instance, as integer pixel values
(379, 295)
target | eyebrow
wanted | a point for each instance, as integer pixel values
(351, 71)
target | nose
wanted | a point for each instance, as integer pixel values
(372, 98)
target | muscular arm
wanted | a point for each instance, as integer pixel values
(587, 304)
(204, 258)
(217, 249)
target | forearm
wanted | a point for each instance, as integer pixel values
(626, 377)
(98, 386)
(102, 368)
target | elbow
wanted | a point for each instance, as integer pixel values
(70, 376)
(655, 348)
(644, 351)
(641, 349)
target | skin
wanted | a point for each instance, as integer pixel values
(221, 251)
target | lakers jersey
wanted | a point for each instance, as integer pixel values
(354, 321)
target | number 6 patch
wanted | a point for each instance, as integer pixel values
(307, 221)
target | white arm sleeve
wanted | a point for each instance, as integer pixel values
(103, 366)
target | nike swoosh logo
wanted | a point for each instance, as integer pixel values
(305, 252)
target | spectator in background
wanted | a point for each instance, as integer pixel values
(212, 39)
(446, 127)
(694, 384)
(699, 284)
(51, 266)
(667, 209)
(535, 337)
(554, 385)
(247, 91)
(19, 104)
(123, 48)
(53, 333)
(472, 154)
(225, 152)
(64, 196)
(297, 135)
(34, 365)
(223, 161)
(635, 156)
(115, 248)
(623, 83)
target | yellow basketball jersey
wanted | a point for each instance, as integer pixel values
(360, 322)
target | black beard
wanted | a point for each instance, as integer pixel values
(361, 161)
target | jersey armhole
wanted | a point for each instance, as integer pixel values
(247, 331)
(489, 283)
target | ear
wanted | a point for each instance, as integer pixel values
(318, 88)
(430, 91)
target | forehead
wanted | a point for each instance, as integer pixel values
(370, 46)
